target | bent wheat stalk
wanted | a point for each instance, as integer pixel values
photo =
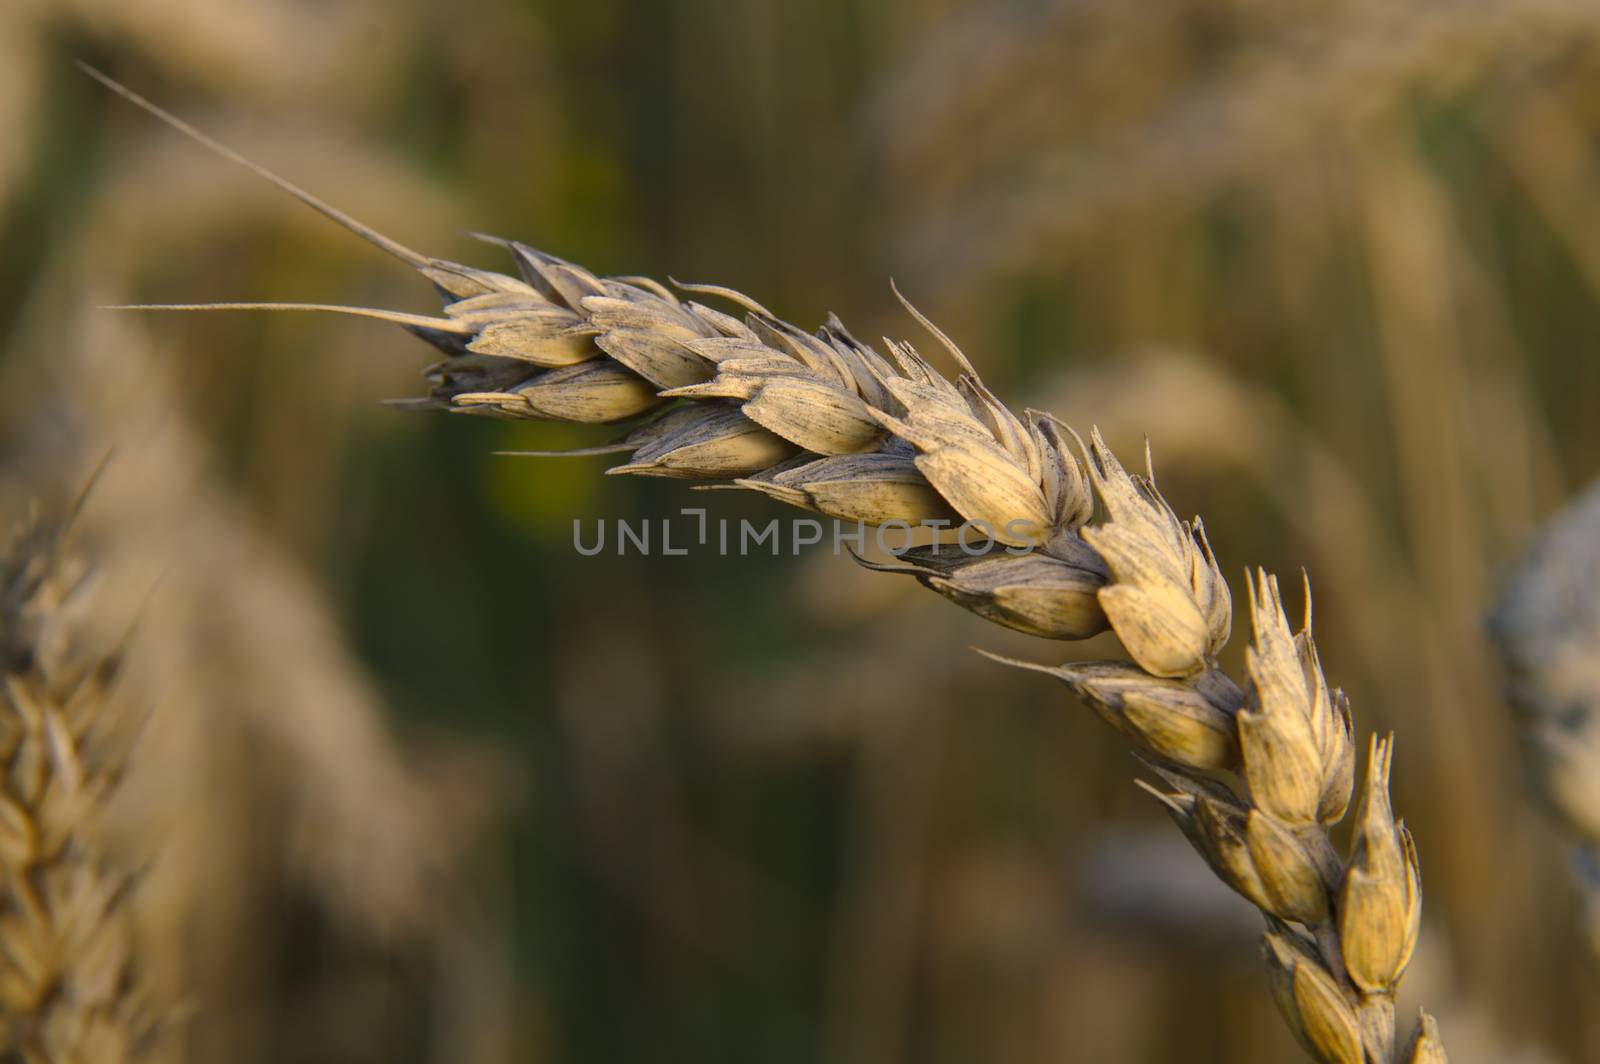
(1254, 776)
(69, 986)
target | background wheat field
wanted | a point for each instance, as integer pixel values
(422, 783)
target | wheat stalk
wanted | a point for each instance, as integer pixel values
(1255, 776)
(1547, 627)
(69, 985)
(1271, 102)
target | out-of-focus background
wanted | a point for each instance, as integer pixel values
(429, 786)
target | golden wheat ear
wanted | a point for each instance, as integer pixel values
(316, 203)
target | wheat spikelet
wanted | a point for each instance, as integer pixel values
(1255, 776)
(1547, 627)
(69, 986)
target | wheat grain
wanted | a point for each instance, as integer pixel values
(69, 983)
(826, 422)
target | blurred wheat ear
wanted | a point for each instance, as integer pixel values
(263, 789)
(70, 989)
(1255, 775)
(1547, 628)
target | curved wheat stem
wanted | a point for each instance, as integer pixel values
(1255, 776)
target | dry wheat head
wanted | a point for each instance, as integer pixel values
(1254, 775)
(69, 987)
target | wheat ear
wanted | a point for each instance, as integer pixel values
(1547, 627)
(1254, 776)
(69, 988)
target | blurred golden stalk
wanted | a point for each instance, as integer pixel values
(1300, 79)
